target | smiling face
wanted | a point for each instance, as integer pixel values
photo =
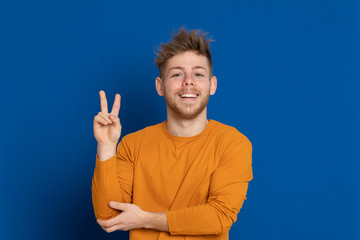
(186, 85)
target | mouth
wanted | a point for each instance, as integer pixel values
(189, 95)
(189, 98)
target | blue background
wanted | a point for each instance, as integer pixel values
(288, 78)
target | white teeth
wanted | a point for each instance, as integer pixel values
(188, 95)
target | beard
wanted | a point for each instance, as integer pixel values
(186, 111)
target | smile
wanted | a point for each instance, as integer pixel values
(189, 95)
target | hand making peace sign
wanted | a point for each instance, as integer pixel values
(107, 127)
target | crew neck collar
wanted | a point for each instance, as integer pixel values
(208, 128)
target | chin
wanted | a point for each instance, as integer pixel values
(184, 111)
(187, 115)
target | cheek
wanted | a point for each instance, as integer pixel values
(204, 85)
(172, 86)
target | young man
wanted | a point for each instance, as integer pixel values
(185, 178)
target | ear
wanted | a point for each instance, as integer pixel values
(159, 86)
(213, 85)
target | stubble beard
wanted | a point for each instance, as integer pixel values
(182, 112)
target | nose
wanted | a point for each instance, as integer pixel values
(188, 80)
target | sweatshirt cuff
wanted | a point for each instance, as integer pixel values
(171, 220)
(109, 163)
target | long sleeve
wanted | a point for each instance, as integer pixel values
(228, 187)
(112, 181)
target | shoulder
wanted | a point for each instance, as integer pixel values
(131, 143)
(234, 150)
(147, 131)
(228, 133)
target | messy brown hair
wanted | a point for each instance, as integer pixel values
(182, 41)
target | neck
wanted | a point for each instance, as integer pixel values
(186, 127)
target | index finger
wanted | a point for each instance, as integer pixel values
(103, 102)
(116, 107)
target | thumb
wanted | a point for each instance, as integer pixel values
(118, 205)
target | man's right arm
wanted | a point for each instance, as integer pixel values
(110, 164)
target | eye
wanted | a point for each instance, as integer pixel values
(199, 75)
(176, 75)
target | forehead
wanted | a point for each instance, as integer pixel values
(187, 59)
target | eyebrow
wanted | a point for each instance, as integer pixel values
(197, 67)
(182, 68)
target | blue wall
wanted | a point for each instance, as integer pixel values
(288, 78)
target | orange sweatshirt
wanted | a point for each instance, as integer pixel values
(200, 181)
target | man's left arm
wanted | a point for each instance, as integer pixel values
(227, 192)
(228, 187)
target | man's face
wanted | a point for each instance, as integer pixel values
(187, 84)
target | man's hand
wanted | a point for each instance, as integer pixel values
(133, 217)
(107, 127)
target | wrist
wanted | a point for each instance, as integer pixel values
(106, 151)
(155, 220)
(146, 219)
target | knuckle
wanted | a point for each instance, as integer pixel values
(99, 119)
